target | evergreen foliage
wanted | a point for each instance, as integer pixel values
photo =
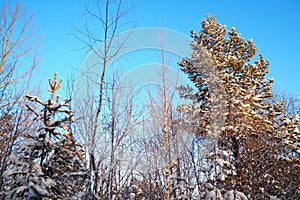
(47, 163)
(262, 142)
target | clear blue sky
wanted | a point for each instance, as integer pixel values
(274, 26)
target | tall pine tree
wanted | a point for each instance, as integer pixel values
(263, 144)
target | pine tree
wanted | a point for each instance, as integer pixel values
(255, 132)
(48, 163)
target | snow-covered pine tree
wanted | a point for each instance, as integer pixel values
(48, 163)
(260, 140)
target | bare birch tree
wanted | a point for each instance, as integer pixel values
(164, 145)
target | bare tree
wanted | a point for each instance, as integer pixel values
(291, 102)
(164, 146)
(102, 22)
(17, 63)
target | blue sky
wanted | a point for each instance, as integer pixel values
(274, 26)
